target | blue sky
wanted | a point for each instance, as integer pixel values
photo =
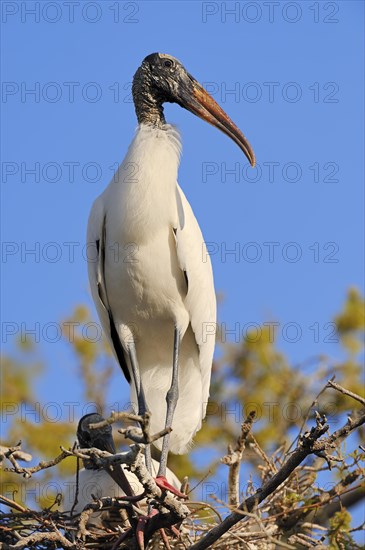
(289, 75)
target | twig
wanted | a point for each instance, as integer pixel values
(261, 453)
(12, 504)
(142, 436)
(114, 417)
(314, 402)
(132, 432)
(331, 384)
(104, 459)
(27, 472)
(234, 457)
(76, 499)
(96, 506)
(38, 537)
(184, 488)
(16, 452)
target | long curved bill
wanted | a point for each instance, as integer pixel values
(199, 102)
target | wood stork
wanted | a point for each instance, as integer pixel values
(97, 482)
(151, 282)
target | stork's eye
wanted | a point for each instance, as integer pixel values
(168, 63)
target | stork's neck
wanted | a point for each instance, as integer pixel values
(150, 111)
(147, 100)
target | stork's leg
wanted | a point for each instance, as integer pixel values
(142, 405)
(171, 400)
(141, 399)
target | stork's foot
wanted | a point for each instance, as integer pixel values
(164, 485)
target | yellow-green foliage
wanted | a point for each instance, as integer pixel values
(340, 525)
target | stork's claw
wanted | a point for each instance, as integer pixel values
(164, 485)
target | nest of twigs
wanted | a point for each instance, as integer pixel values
(288, 510)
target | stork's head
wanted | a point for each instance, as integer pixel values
(162, 78)
(100, 438)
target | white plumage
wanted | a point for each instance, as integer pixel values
(157, 274)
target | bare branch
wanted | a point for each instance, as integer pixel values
(140, 436)
(15, 452)
(331, 384)
(27, 472)
(234, 457)
(39, 537)
(313, 404)
(114, 417)
(254, 444)
(12, 504)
